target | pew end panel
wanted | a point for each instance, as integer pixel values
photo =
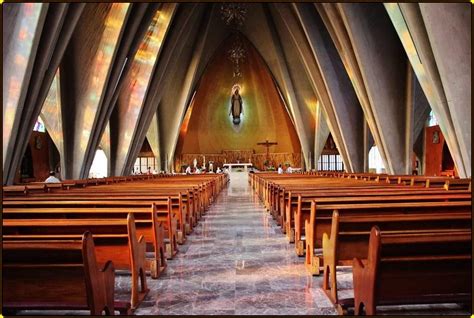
(57, 275)
(408, 268)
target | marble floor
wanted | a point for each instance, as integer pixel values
(236, 262)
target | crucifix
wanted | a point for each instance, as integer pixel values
(267, 144)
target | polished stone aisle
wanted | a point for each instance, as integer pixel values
(236, 261)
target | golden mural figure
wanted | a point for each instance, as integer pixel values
(235, 105)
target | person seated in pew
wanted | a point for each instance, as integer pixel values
(52, 178)
(218, 170)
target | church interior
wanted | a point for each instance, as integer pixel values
(237, 158)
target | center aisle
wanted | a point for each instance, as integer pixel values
(236, 261)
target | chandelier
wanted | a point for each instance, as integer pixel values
(233, 13)
(237, 54)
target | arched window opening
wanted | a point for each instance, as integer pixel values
(330, 163)
(330, 159)
(146, 159)
(432, 121)
(39, 125)
(99, 165)
(376, 164)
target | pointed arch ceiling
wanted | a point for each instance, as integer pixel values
(209, 128)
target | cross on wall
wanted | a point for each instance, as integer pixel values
(267, 144)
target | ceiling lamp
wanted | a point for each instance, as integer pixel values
(237, 54)
(233, 13)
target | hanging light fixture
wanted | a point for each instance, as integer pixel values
(233, 13)
(237, 54)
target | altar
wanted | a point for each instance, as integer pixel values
(231, 166)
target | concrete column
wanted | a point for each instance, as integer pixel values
(409, 119)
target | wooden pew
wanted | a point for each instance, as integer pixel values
(458, 184)
(291, 182)
(278, 187)
(202, 189)
(409, 268)
(49, 275)
(24, 190)
(297, 202)
(349, 236)
(156, 220)
(189, 209)
(321, 218)
(275, 190)
(302, 213)
(180, 203)
(114, 239)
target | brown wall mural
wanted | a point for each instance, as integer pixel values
(208, 128)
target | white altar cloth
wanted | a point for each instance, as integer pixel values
(230, 166)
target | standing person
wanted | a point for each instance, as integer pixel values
(188, 170)
(280, 169)
(52, 178)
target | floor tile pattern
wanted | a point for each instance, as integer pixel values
(236, 261)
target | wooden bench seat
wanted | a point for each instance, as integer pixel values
(458, 184)
(321, 218)
(114, 239)
(161, 222)
(303, 211)
(191, 203)
(299, 203)
(276, 198)
(349, 236)
(407, 268)
(48, 275)
(281, 202)
(179, 204)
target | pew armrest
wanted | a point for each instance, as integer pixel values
(357, 265)
(363, 296)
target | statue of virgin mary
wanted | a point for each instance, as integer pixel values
(235, 105)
